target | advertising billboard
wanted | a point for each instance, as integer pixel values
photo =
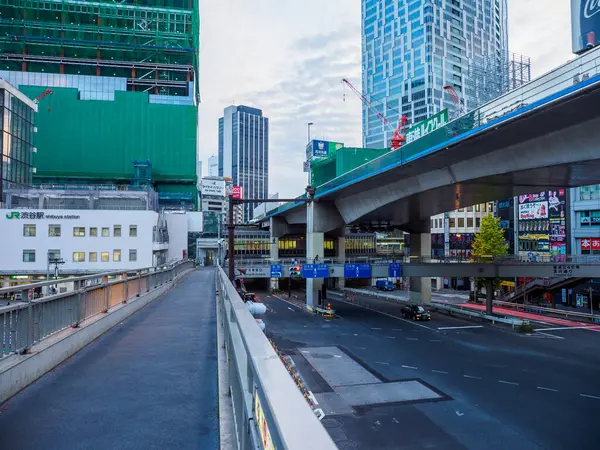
(585, 24)
(237, 192)
(532, 211)
(321, 149)
(215, 188)
(588, 244)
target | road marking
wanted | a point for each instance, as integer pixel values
(312, 397)
(460, 328)
(550, 335)
(395, 420)
(304, 351)
(588, 327)
(508, 382)
(412, 339)
(435, 340)
(541, 388)
(384, 363)
(589, 396)
(472, 377)
(396, 329)
(375, 328)
(390, 337)
(410, 367)
(362, 348)
(289, 303)
(440, 371)
(337, 356)
(291, 309)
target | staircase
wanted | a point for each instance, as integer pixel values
(540, 285)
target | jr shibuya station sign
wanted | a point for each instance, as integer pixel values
(37, 215)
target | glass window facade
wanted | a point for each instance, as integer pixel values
(16, 142)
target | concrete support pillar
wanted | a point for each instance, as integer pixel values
(341, 257)
(314, 250)
(274, 255)
(489, 295)
(420, 288)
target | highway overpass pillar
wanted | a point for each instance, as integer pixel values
(315, 243)
(274, 255)
(489, 295)
(341, 257)
(279, 228)
(420, 288)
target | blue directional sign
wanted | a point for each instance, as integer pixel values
(276, 271)
(357, 270)
(395, 270)
(315, 270)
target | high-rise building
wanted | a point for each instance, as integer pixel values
(124, 76)
(244, 152)
(213, 166)
(412, 49)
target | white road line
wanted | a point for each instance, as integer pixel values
(440, 371)
(291, 309)
(589, 396)
(304, 351)
(410, 367)
(375, 328)
(435, 340)
(384, 363)
(472, 377)
(460, 328)
(412, 339)
(541, 388)
(289, 303)
(550, 335)
(508, 382)
(362, 348)
(589, 327)
(337, 356)
(395, 420)
(390, 337)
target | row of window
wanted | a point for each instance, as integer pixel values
(29, 256)
(55, 231)
(439, 223)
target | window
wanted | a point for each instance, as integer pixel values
(54, 230)
(29, 230)
(470, 209)
(28, 255)
(116, 255)
(469, 222)
(105, 256)
(93, 257)
(53, 254)
(478, 222)
(78, 256)
(105, 232)
(461, 222)
(452, 222)
(132, 255)
(132, 230)
(79, 231)
(477, 208)
(93, 232)
(117, 231)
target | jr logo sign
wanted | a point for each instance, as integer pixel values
(13, 215)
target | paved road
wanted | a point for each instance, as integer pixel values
(503, 389)
(149, 383)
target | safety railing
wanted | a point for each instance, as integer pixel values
(268, 408)
(26, 320)
(587, 317)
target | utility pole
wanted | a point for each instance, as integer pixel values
(591, 290)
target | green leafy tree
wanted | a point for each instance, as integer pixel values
(490, 241)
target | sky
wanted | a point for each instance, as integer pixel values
(288, 58)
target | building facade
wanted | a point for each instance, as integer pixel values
(244, 152)
(584, 215)
(124, 77)
(213, 166)
(412, 49)
(17, 130)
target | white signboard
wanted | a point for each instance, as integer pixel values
(214, 188)
(212, 205)
(535, 210)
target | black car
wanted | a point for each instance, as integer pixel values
(416, 312)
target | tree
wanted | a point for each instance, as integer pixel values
(490, 241)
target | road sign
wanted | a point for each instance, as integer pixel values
(357, 270)
(395, 270)
(276, 271)
(315, 270)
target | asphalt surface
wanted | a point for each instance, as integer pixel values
(502, 389)
(149, 383)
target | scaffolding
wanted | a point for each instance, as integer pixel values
(151, 43)
(493, 76)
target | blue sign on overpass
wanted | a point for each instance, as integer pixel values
(315, 270)
(276, 271)
(395, 270)
(357, 270)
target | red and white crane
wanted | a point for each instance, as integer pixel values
(398, 137)
(459, 104)
(42, 95)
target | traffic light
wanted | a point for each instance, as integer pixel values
(295, 271)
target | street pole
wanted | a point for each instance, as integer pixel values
(231, 240)
(290, 286)
(590, 290)
(310, 124)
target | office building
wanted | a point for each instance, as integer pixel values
(584, 217)
(244, 152)
(213, 166)
(17, 114)
(412, 49)
(124, 77)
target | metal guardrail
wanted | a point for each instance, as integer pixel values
(267, 406)
(457, 309)
(593, 318)
(28, 321)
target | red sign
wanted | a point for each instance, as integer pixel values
(590, 244)
(237, 192)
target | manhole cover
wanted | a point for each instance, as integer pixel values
(330, 423)
(347, 445)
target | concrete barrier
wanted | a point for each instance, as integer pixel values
(19, 371)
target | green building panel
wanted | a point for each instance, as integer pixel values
(349, 158)
(98, 140)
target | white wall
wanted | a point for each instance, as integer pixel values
(177, 224)
(13, 241)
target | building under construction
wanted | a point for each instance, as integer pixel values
(124, 86)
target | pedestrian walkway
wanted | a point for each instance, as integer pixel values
(149, 383)
(534, 317)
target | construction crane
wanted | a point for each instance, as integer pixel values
(460, 109)
(398, 137)
(42, 95)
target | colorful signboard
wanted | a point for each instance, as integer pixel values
(427, 126)
(262, 425)
(237, 192)
(321, 149)
(357, 270)
(530, 211)
(585, 24)
(588, 244)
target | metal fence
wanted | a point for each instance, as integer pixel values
(269, 410)
(27, 320)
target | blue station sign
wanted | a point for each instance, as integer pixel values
(395, 270)
(315, 270)
(276, 271)
(357, 270)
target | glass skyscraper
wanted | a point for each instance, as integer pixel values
(244, 152)
(411, 49)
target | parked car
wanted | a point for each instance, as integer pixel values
(250, 296)
(384, 285)
(416, 312)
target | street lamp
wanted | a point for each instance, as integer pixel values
(310, 124)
